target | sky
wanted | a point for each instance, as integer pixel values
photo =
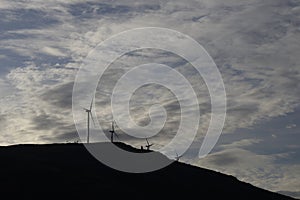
(255, 45)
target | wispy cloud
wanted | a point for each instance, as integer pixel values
(260, 170)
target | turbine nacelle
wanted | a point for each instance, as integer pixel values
(89, 114)
(148, 144)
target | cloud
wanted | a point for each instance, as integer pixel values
(20, 18)
(40, 106)
(68, 135)
(6, 88)
(295, 194)
(245, 43)
(45, 122)
(96, 9)
(59, 96)
(53, 51)
(241, 143)
(289, 126)
(260, 170)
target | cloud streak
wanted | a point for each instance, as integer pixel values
(260, 170)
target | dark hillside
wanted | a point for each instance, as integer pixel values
(70, 170)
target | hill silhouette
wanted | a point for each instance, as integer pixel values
(69, 170)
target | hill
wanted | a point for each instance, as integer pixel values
(69, 170)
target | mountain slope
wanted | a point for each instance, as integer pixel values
(70, 170)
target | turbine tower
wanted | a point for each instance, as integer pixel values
(89, 114)
(112, 132)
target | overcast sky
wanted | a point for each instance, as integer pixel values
(254, 43)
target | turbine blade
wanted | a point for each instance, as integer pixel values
(91, 104)
(84, 108)
(147, 142)
(93, 119)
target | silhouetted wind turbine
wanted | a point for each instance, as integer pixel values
(89, 113)
(177, 156)
(112, 132)
(148, 145)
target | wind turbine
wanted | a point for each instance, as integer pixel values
(89, 113)
(148, 145)
(112, 132)
(177, 156)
